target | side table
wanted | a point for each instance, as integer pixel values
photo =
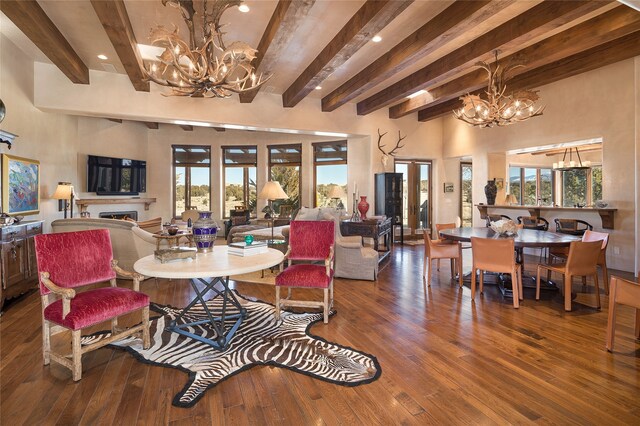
(373, 228)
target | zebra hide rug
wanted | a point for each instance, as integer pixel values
(258, 341)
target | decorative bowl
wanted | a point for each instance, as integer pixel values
(601, 204)
(503, 227)
(172, 230)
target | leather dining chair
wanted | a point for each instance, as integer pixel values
(533, 222)
(572, 226)
(436, 249)
(496, 255)
(581, 261)
(442, 227)
(623, 292)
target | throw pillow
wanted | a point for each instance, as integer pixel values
(306, 213)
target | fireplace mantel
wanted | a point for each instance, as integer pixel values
(89, 201)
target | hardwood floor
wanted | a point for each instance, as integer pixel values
(444, 359)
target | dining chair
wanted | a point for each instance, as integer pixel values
(309, 241)
(69, 260)
(533, 222)
(623, 292)
(496, 255)
(436, 249)
(442, 227)
(581, 261)
(572, 226)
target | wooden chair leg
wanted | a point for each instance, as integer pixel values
(331, 294)
(481, 281)
(515, 288)
(438, 265)
(326, 305)
(277, 312)
(595, 282)
(114, 325)
(473, 283)
(452, 268)
(46, 341)
(76, 355)
(425, 259)
(611, 321)
(146, 338)
(548, 275)
(520, 284)
(538, 272)
(428, 265)
(605, 277)
(567, 292)
(459, 262)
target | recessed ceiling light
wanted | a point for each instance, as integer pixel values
(418, 93)
(103, 57)
(376, 39)
(243, 8)
(318, 88)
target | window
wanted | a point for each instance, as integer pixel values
(191, 178)
(466, 190)
(330, 168)
(531, 185)
(581, 186)
(239, 163)
(284, 166)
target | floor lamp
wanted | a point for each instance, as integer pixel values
(272, 191)
(64, 193)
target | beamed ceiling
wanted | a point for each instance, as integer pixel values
(426, 45)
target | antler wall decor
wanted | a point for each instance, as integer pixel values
(385, 155)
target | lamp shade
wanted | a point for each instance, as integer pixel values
(63, 191)
(337, 191)
(510, 199)
(272, 191)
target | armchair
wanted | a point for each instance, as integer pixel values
(309, 241)
(76, 259)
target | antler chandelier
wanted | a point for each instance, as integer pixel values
(498, 109)
(204, 67)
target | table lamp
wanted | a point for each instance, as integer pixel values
(272, 191)
(64, 192)
(337, 193)
(510, 199)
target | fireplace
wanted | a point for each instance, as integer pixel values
(120, 215)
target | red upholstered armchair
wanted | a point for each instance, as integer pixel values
(308, 241)
(74, 259)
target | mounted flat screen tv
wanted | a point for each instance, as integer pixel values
(116, 176)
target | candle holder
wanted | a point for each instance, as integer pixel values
(355, 216)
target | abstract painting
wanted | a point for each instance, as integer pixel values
(20, 185)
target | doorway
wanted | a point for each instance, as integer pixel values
(466, 194)
(416, 200)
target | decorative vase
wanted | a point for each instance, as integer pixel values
(205, 231)
(490, 190)
(363, 207)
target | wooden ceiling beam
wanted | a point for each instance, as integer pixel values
(372, 17)
(556, 151)
(219, 129)
(454, 21)
(115, 20)
(535, 22)
(151, 125)
(186, 127)
(606, 27)
(29, 17)
(115, 120)
(283, 23)
(605, 54)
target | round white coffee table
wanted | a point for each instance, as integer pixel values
(210, 269)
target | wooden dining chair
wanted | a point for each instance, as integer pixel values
(496, 255)
(436, 249)
(582, 261)
(495, 218)
(623, 292)
(442, 227)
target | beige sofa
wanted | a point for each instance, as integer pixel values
(129, 242)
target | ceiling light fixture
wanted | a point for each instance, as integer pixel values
(243, 8)
(318, 88)
(564, 166)
(103, 57)
(376, 39)
(205, 66)
(498, 109)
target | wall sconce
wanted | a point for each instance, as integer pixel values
(64, 193)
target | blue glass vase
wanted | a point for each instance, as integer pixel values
(205, 231)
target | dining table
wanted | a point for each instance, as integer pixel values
(209, 272)
(524, 238)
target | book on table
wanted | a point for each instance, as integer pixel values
(244, 249)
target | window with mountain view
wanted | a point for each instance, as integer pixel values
(191, 178)
(284, 167)
(531, 185)
(239, 172)
(581, 186)
(330, 168)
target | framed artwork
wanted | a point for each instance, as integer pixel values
(499, 183)
(448, 187)
(20, 185)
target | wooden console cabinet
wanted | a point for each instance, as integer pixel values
(18, 269)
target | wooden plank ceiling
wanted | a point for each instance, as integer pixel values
(558, 39)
